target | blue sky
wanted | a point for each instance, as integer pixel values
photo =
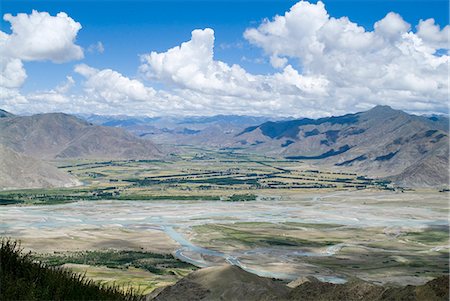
(128, 29)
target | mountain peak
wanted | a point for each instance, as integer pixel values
(59, 135)
(379, 108)
(382, 111)
(224, 283)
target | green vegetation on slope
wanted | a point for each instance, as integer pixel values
(24, 279)
(155, 263)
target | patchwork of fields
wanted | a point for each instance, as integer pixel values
(197, 174)
(149, 223)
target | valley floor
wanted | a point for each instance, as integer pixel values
(378, 236)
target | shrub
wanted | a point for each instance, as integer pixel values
(21, 278)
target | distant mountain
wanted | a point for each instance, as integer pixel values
(116, 120)
(208, 131)
(224, 119)
(57, 135)
(440, 121)
(171, 121)
(382, 142)
(20, 171)
(4, 114)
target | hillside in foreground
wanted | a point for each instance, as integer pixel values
(23, 279)
(232, 283)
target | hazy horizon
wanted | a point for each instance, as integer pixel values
(180, 116)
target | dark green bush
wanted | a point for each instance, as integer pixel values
(21, 278)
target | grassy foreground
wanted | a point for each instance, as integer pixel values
(23, 279)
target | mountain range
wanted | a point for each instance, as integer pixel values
(406, 149)
(205, 131)
(381, 142)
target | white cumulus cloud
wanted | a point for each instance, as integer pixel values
(111, 86)
(12, 73)
(431, 34)
(392, 26)
(322, 65)
(391, 64)
(40, 36)
(341, 66)
(192, 66)
(34, 37)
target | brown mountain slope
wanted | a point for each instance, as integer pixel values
(212, 131)
(427, 171)
(233, 283)
(381, 142)
(58, 135)
(20, 171)
(224, 283)
(355, 290)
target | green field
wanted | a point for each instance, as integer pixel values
(143, 271)
(406, 254)
(191, 176)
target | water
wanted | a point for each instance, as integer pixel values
(176, 217)
(187, 246)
